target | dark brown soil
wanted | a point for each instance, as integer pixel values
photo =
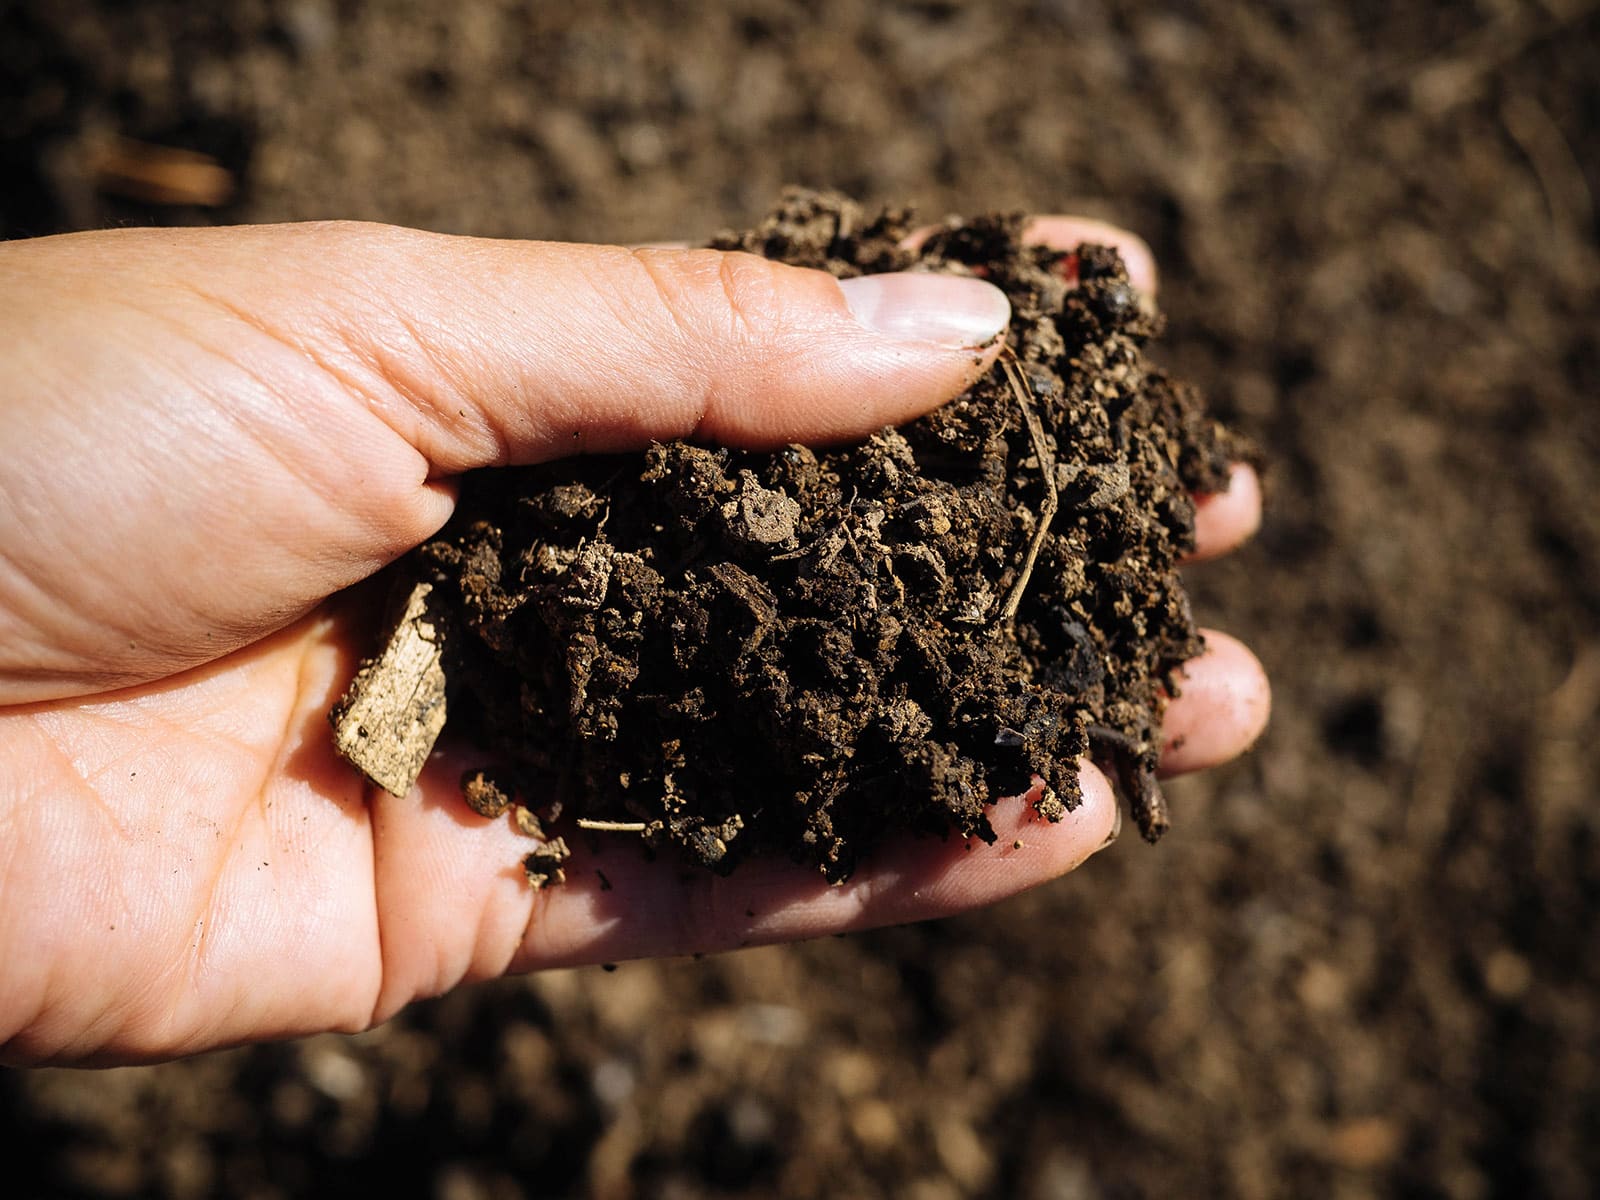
(889, 636)
(1362, 964)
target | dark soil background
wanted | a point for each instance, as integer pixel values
(1364, 962)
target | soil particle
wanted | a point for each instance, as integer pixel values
(483, 795)
(800, 651)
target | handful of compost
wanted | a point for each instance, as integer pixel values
(800, 652)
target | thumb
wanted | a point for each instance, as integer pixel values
(301, 394)
(507, 351)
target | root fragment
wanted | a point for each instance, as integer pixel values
(1135, 764)
(1047, 468)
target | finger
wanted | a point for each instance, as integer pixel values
(300, 395)
(1222, 707)
(1068, 233)
(1225, 520)
(454, 905)
(507, 351)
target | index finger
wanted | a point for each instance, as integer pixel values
(1068, 233)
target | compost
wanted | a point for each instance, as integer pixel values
(798, 652)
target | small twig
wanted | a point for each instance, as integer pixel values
(610, 826)
(1115, 739)
(155, 174)
(1047, 468)
(1150, 806)
(606, 489)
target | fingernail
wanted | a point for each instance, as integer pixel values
(946, 310)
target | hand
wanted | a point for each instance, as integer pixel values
(207, 434)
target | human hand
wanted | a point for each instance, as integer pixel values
(208, 434)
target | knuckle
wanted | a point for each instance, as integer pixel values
(750, 291)
(717, 294)
(722, 319)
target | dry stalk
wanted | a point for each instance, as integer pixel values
(610, 826)
(1047, 468)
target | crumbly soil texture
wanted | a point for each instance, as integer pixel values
(802, 651)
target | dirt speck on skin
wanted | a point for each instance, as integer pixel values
(801, 651)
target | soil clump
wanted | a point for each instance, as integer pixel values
(797, 652)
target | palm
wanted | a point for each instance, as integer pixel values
(251, 874)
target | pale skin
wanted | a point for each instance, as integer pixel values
(207, 437)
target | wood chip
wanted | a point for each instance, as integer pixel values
(387, 722)
(160, 174)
